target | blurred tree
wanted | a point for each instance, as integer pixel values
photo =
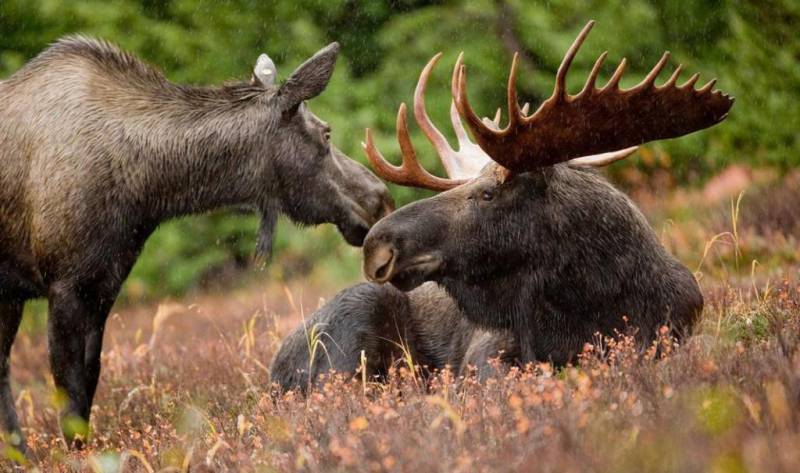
(752, 46)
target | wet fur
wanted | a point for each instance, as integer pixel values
(383, 321)
(98, 148)
(555, 257)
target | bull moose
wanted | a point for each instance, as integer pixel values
(529, 253)
(98, 148)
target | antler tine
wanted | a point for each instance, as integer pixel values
(456, 75)
(410, 162)
(493, 123)
(481, 131)
(418, 176)
(651, 77)
(455, 118)
(470, 158)
(613, 83)
(674, 77)
(490, 123)
(410, 173)
(439, 142)
(588, 88)
(381, 166)
(486, 128)
(690, 83)
(461, 134)
(514, 114)
(601, 160)
(560, 90)
(458, 127)
(706, 88)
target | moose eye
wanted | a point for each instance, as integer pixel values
(487, 195)
(327, 135)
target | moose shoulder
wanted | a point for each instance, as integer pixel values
(98, 148)
(535, 251)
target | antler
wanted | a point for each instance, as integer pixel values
(607, 122)
(460, 165)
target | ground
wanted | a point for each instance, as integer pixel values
(185, 384)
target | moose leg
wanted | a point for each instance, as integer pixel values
(486, 345)
(10, 316)
(94, 343)
(94, 346)
(66, 333)
(360, 319)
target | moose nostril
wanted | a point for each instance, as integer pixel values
(383, 271)
(378, 265)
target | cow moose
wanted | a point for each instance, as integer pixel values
(98, 148)
(529, 253)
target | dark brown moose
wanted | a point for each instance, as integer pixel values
(529, 253)
(98, 148)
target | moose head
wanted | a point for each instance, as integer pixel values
(526, 236)
(315, 182)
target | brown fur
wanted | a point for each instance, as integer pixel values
(98, 148)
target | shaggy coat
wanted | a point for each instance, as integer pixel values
(534, 267)
(98, 148)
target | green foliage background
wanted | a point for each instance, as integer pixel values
(751, 46)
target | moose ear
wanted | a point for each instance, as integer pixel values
(265, 72)
(310, 79)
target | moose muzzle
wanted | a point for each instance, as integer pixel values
(386, 260)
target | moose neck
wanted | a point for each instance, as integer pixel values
(197, 152)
